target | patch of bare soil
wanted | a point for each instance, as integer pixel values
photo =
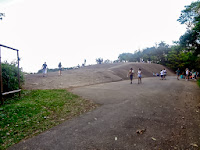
(90, 75)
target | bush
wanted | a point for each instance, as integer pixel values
(10, 77)
(198, 82)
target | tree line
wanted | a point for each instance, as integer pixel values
(184, 53)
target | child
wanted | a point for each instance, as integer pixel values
(139, 76)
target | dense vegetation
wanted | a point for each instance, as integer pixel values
(185, 53)
(10, 77)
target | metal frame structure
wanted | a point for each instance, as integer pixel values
(1, 81)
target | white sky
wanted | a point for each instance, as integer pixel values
(69, 31)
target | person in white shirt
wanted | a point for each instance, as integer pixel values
(139, 76)
(44, 69)
(187, 72)
(161, 74)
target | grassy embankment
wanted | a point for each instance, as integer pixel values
(198, 82)
(37, 111)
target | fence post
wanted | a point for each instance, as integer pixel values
(18, 71)
(1, 82)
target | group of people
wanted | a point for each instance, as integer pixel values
(188, 74)
(139, 75)
(162, 74)
(44, 69)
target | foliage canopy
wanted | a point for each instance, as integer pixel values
(185, 53)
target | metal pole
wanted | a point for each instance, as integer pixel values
(18, 71)
(1, 82)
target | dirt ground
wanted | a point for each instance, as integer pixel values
(157, 114)
(90, 75)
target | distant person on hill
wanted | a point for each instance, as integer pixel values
(161, 74)
(178, 73)
(139, 76)
(60, 68)
(44, 69)
(130, 74)
(164, 74)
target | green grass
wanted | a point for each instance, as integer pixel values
(198, 82)
(37, 111)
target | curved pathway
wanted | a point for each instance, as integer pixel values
(157, 114)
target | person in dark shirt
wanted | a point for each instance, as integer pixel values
(178, 73)
(60, 68)
(130, 74)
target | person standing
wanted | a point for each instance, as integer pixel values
(178, 73)
(164, 74)
(187, 74)
(130, 74)
(139, 76)
(44, 69)
(60, 68)
(161, 74)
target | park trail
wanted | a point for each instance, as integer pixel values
(157, 114)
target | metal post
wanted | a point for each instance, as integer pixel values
(1, 82)
(18, 71)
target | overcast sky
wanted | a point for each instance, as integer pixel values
(69, 31)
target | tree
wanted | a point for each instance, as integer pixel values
(190, 14)
(107, 61)
(191, 17)
(190, 41)
(99, 60)
(126, 57)
(2, 15)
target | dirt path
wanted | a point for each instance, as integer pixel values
(165, 112)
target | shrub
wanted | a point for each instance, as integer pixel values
(198, 82)
(10, 77)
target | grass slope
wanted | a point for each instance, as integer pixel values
(198, 82)
(37, 111)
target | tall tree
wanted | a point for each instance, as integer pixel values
(191, 17)
(99, 60)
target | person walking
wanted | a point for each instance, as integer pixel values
(139, 76)
(178, 73)
(60, 68)
(44, 69)
(130, 74)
